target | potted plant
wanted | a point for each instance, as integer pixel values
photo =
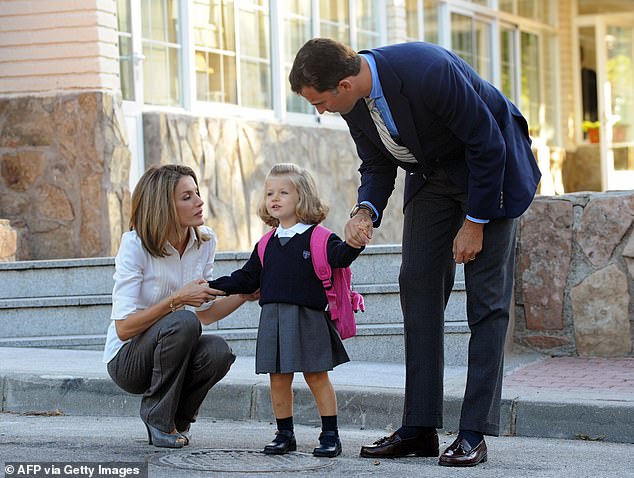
(591, 128)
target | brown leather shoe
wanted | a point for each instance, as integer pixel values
(394, 446)
(460, 453)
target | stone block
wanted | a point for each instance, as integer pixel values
(545, 342)
(546, 238)
(600, 306)
(8, 241)
(603, 223)
(20, 170)
(628, 254)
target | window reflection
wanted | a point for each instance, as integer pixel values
(530, 100)
(162, 50)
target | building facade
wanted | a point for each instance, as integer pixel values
(94, 91)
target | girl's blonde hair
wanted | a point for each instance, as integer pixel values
(310, 209)
(153, 208)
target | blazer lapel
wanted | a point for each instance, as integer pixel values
(399, 106)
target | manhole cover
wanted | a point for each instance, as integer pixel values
(240, 461)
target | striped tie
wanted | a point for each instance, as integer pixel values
(399, 152)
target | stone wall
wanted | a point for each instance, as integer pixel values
(64, 166)
(232, 156)
(575, 276)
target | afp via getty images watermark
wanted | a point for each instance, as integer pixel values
(75, 470)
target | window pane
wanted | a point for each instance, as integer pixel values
(297, 31)
(254, 30)
(159, 20)
(336, 32)
(506, 5)
(160, 37)
(462, 37)
(367, 16)
(620, 75)
(540, 10)
(335, 21)
(508, 63)
(126, 67)
(161, 75)
(214, 40)
(124, 19)
(255, 69)
(530, 100)
(213, 22)
(483, 50)
(215, 78)
(296, 7)
(367, 24)
(411, 20)
(549, 103)
(431, 21)
(255, 84)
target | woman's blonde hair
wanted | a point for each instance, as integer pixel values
(153, 210)
(310, 209)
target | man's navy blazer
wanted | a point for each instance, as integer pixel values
(448, 117)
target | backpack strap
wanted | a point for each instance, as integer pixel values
(264, 240)
(319, 256)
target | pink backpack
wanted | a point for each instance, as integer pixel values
(343, 302)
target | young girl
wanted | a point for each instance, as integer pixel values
(295, 334)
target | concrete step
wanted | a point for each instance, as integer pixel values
(93, 276)
(66, 304)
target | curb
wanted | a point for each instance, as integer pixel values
(359, 407)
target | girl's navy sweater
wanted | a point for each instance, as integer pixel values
(288, 275)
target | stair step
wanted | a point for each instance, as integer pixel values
(378, 343)
(66, 303)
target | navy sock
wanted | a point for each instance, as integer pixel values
(285, 423)
(329, 423)
(412, 432)
(472, 437)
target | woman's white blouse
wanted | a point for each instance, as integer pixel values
(141, 280)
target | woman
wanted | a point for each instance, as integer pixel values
(160, 298)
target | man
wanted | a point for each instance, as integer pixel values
(470, 173)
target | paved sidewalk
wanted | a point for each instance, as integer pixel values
(231, 449)
(566, 397)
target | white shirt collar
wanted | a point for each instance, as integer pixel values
(298, 228)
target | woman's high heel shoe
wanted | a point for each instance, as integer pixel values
(164, 440)
(187, 435)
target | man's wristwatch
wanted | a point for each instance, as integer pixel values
(356, 208)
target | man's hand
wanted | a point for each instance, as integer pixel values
(468, 242)
(358, 229)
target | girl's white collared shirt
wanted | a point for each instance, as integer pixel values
(298, 228)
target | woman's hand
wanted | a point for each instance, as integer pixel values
(194, 294)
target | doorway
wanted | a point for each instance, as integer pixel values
(606, 54)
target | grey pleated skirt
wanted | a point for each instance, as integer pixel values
(292, 338)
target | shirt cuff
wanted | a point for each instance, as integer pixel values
(477, 221)
(376, 213)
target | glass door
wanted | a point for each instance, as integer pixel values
(615, 91)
